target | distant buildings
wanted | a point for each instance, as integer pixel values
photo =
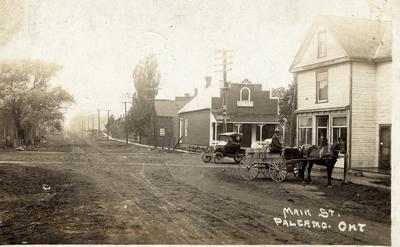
(167, 122)
(250, 111)
(343, 70)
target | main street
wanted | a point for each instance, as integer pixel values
(82, 189)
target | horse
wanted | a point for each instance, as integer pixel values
(327, 157)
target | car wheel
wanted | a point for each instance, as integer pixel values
(206, 157)
(218, 157)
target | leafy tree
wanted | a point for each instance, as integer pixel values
(146, 78)
(27, 99)
(287, 106)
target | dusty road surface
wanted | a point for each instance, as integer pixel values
(80, 189)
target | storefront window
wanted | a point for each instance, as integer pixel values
(339, 129)
(305, 130)
(322, 130)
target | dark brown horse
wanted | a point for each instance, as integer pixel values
(328, 159)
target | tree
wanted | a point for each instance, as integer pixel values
(287, 106)
(27, 99)
(146, 78)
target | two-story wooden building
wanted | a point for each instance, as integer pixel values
(343, 71)
(249, 109)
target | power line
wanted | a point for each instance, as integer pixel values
(226, 61)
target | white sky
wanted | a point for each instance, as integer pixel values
(98, 43)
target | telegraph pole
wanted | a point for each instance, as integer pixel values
(98, 120)
(126, 123)
(108, 125)
(226, 54)
(93, 122)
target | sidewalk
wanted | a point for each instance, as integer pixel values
(355, 178)
(149, 146)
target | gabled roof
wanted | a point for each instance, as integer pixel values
(165, 108)
(363, 39)
(202, 100)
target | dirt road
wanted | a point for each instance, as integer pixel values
(87, 190)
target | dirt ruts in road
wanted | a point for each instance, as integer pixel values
(107, 192)
(42, 206)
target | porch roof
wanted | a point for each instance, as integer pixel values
(333, 109)
(251, 118)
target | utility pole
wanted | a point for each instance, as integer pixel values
(226, 60)
(98, 120)
(108, 125)
(93, 122)
(126, 122)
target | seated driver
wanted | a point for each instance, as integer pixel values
(276, 146)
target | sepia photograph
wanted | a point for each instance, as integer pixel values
(193, 122)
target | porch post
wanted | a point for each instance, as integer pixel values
(261, 127)
(216, 131)
(238, 127)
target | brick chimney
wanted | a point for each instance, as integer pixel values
(208, 81)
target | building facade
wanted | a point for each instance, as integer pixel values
(343, 73)
(249, 110)
(167, 121)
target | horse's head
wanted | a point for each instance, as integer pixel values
(338, 146)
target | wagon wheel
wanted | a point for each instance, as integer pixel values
(218, 157)
(248, 168)
(277, 170)
(206, 156)
(296, 169)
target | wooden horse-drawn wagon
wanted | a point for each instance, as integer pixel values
(275, 165)
(294, 160)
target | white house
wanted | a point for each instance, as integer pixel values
(344, 74)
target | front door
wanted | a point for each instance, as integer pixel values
(246, 138)
(384, 146)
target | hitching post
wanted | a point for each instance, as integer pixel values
(345, 168)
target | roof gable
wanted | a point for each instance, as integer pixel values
(202, 100)
(165, 108)
(310, 51)
(359, 38)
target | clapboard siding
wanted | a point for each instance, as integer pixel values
(338, 88)
(364, 106)
(384, 93)
(198, 127)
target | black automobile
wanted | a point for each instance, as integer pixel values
(228, 146)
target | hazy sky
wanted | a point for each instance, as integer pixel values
(98, 43)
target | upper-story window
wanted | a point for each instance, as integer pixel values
(322, 86)
(245, 94)
(322, 44)
(245, 97)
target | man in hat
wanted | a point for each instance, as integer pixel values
(276, 146)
